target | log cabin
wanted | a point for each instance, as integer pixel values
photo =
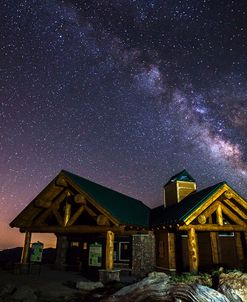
(102, 232)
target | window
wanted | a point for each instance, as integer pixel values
(124, 251)
(226, 234)
(74, 244)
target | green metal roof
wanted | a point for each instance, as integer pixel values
(180, 211)
(181, 176)
(125, 209)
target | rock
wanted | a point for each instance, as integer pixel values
(234, 286)
(195, 293)
(88, 286)
(7, 289)
(155, 287)
(25, 294)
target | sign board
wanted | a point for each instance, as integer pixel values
(36, 251)
(95, 254)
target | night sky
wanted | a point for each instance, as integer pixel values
(123, 92)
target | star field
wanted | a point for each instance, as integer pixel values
(124, 92)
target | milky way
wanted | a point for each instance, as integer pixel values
(125, 93)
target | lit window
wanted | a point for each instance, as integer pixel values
(74, 244)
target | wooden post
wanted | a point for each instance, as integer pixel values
(109, 250)
(171, 252)
(219, 215)
(239, 248)
(193, 250)
(215, 247)
(25, 250)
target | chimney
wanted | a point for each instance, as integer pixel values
(178, 187)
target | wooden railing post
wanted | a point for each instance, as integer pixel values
(193, 250)
(109, 250)
(25, 250)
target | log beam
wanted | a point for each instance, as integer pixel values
(55, 205)
(75, 216)
(25, 250)
(219, 216)
(193, 251)
(214, 228)
(232, 216)
(202, 208)
(235, 208)
(109, 250)
(67, 213)
(76, 229)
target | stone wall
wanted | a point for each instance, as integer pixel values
(143, 254)
(61, 251)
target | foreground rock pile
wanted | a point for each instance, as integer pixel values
(11, 293)
(160, 287)
(157, 287)
(24, 293)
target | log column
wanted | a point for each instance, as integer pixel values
(215, 247)
(109, 250)
(219, 216)
(193, 250)
(239, 247)
(171, 252)
(25, 250)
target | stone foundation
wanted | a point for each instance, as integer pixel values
(143, 254)
(106, 276)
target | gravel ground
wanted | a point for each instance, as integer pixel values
(50, 282)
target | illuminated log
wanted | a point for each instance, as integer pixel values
(80, 199)
(67, 212)
(55, 205)
(109, 250)
(103, 220)
(61, 182)
(214, 228)
(25, 250)
(193, 250)
(204, 206)
(219, 216)
(235, 208)
(202, 219)
(228, 194)
(75, 216)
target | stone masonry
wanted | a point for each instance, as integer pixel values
(143, 254)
